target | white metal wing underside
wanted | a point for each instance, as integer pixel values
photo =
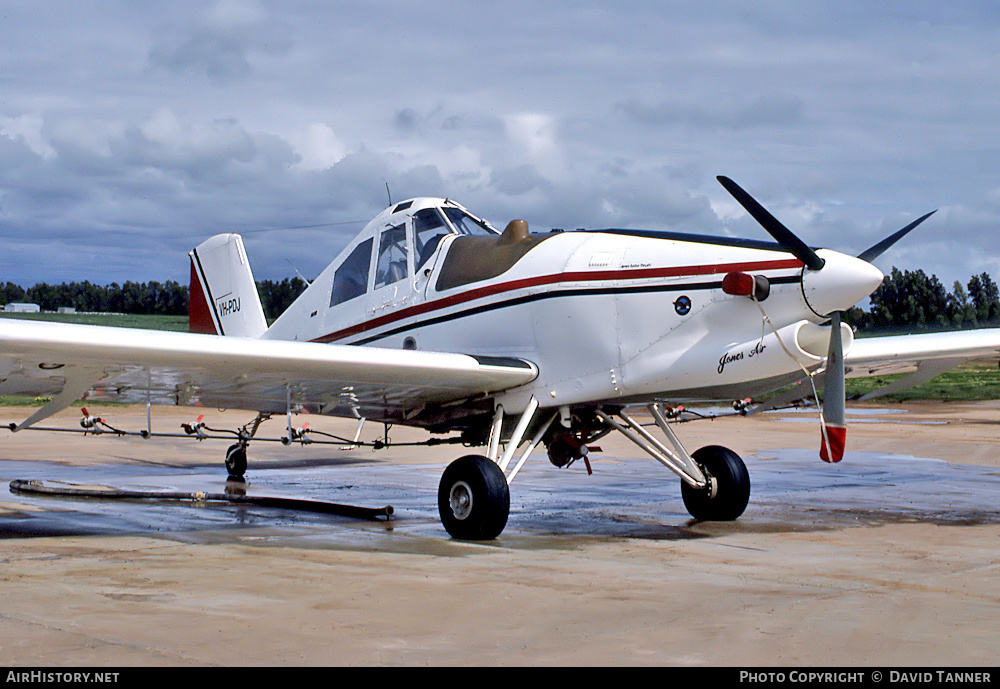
(70, 362)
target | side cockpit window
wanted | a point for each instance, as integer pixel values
(428, 229)
(350, 280)
(391, 266)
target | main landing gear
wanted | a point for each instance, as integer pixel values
(474, 494)
(727, 491)
(473, 499)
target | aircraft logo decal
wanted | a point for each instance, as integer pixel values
(682, 305)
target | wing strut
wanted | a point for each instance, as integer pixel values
(926, 370)
(78, 382)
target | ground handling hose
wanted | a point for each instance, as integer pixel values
(38, 488)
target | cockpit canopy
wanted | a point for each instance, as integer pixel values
(399, 242)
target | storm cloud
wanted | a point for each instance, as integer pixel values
(131, 132)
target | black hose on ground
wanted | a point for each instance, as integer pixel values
(38, 488)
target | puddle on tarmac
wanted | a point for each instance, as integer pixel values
(856, 415)
(550, 508)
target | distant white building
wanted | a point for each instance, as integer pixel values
(22, 308)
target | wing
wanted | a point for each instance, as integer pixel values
(900, 353)
(923, 356)
(70, 362)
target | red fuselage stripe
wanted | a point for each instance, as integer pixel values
(555, 278)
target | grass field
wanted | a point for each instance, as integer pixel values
(115, 320)
(976, 380)
(118, 320)
(971, 381)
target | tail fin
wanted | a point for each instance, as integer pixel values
(224, 299)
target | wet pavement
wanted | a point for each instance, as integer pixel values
(888, 558)
(624, 498)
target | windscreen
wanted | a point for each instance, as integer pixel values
(466, 224)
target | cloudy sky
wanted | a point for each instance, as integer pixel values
(129, 132)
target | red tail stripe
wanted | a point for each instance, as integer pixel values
(199, 317)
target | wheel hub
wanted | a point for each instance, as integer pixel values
(460, 500)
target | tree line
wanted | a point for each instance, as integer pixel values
(910, 301)
(165, 299)
(906, 301)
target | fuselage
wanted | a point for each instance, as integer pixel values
(606, 316)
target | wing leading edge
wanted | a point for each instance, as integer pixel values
(68, 362)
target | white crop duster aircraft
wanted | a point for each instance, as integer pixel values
(432, 318)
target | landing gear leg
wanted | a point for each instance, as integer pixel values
(715, 483)
(236, 455)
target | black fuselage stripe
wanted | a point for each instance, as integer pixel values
(557, 294)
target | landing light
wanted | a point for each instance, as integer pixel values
(741, 284)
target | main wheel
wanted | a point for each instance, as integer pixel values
(236, 460)
(473, 499)
(729, 486)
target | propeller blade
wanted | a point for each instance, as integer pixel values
(781, 234)
(834, 431)
(874, 252)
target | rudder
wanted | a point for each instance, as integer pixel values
(224, 298)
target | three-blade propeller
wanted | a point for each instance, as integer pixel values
(834, 430)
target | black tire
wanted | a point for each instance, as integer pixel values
(732, 491)
(236, 460)
(473, 499)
